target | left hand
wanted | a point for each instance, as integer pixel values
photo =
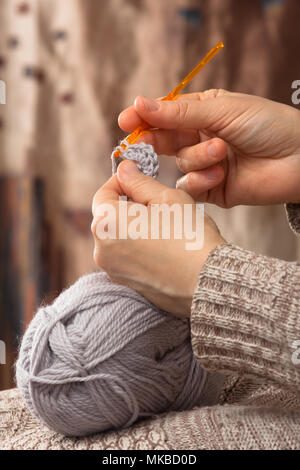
(162, 270)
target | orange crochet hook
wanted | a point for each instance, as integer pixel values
(132, 138)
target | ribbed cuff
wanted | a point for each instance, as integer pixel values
(246, 315)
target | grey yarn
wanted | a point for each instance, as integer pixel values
(142, 153)
(102, 356)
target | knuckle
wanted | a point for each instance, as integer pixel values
(221, 92)
(180, 164)
(212, 93)
(189, 159)
(182, 112)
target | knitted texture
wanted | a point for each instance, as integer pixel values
(142, 153)
(245, 314)
(233, 426)
(102, 356)
(247, 306)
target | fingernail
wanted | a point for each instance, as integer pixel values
(182, 182)
(212, 150)
(129, 168)
(146, 104)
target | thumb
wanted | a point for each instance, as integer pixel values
(213, 110)
(141, 188)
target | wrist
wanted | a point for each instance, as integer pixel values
(197, 265)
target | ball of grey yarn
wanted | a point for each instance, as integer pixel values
(102, 357)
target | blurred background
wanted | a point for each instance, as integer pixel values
(70, 67)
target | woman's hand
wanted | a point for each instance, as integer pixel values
(233, 148)
(162, 270)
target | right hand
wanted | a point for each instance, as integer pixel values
(255, 156)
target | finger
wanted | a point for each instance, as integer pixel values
(129, 119)
(213, 114)
(141, 188)
(110, 191)
(198, 182)
(200, 156)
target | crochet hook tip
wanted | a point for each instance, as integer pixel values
(118, 152)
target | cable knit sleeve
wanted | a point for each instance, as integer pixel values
(245, 315)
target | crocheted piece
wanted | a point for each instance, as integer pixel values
(142, 153)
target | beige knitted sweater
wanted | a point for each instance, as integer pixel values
(245, 323)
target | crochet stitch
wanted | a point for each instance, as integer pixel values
(142, 153)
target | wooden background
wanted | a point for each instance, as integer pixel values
(30, 268)
(70, 67)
